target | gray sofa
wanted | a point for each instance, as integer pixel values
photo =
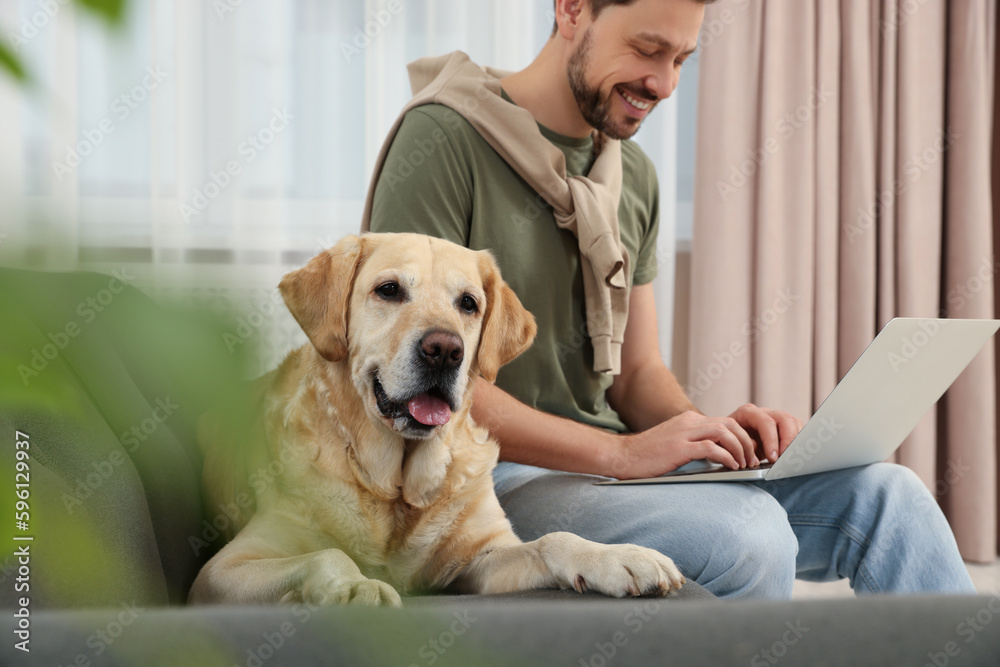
(108, 386)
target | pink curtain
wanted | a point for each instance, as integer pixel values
(843, 178)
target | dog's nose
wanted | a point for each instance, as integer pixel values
(442, 350)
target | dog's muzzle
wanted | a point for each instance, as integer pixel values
(439, 355)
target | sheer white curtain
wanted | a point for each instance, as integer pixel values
(226, 141)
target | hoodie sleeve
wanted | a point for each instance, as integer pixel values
(426, 183)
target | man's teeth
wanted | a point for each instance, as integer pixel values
(634, 102)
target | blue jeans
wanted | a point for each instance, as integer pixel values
(876, 525)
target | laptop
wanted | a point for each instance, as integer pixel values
(895, 381)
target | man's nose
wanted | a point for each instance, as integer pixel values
(662, 84)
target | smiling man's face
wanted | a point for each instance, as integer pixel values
(629, 59)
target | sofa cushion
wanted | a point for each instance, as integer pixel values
(480, 630)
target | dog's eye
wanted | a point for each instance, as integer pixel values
(389, 290)
(468, 304)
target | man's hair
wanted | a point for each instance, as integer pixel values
(597, 6)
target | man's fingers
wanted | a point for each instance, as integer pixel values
(710, 450)
(789, 427)
(726, 433)
(752, 417)
(746, 442)
(731, 444)
(767, 431)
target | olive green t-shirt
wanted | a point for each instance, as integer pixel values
(443, 179)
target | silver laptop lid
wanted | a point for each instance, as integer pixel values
(897, 379)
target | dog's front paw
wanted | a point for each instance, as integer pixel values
(616, 570)
(330, 577)
(626, 569)
(363, 591)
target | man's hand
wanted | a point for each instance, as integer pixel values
(737, 441)
(772, 430)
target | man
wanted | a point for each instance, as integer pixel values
(560, 419)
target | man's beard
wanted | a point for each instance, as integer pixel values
(595, 107)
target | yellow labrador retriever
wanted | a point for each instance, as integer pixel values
(384, 481)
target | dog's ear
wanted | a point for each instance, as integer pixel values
(317, 296)
(508, 328)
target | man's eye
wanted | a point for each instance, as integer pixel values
(468, 304)
(389, 290)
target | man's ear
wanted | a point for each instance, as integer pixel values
(568, 17)
(317, 296)
(508, 328)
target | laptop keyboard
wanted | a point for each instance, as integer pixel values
(719, 468)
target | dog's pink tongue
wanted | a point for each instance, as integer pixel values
(428, 410)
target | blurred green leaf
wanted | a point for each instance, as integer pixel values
(113, 11)
(12, 64)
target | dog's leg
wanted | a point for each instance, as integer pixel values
(251, 569)
(564, 560)
(319, 578)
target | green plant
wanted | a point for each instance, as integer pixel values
(111, 12)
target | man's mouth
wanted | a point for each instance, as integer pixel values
(639, 106)
(426, 409)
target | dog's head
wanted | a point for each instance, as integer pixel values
(414, 317)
